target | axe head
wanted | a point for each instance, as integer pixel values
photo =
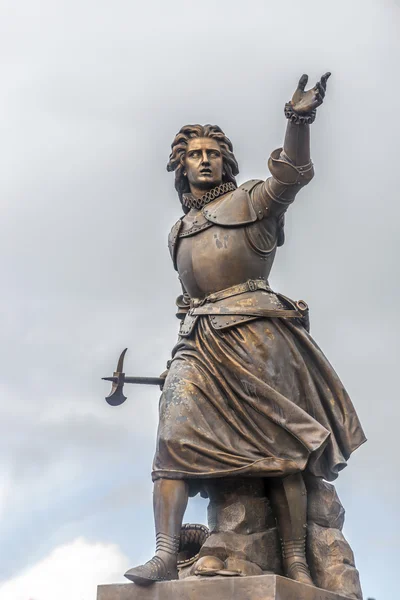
(116, 396)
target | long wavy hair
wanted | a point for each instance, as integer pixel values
(179, 148)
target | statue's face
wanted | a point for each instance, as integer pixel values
(203, 163)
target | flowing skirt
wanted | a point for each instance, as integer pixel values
(259, 399)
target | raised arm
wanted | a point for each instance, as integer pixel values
(301, 112)
(291, 167)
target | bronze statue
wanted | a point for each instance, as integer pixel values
(248, 393)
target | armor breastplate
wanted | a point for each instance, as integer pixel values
(223, 244)
(217, 258)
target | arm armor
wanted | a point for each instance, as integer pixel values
(286, 173)
(291, 168)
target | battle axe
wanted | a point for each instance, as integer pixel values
(116, 396)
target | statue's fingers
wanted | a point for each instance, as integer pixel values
(302, 82)
(324, 79)
(319, 90)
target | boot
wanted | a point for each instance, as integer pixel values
(295, 561)
(163, 565)
(169, 499)
(289, 502)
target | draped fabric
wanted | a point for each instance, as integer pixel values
(259, 399)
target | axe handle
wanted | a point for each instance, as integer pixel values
(121, 379)
(145, 380)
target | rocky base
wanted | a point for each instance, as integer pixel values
(263, 587)
(244, 539)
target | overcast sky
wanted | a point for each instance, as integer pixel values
(93, 93)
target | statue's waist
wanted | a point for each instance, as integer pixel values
(251, 285)
(239, 303)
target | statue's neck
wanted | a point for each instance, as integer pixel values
(198, 193)
(191, 201)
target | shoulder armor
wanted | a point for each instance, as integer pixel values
(192, 224)
(234, 208)
(172, 240)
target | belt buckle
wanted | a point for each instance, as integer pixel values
(252, 285)
(194, 303)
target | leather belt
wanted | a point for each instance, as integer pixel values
(205, 306)
(248, 312)
(248, 286)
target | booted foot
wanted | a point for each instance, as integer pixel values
(298, 571)
(295, 561)
(156, 569)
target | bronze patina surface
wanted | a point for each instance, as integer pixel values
(264, 587)
(248, 394)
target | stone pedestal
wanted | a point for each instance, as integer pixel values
(262, 587)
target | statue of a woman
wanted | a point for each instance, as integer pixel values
(248, 392)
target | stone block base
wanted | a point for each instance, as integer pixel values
(261, 587)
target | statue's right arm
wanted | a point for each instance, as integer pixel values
(291, 169)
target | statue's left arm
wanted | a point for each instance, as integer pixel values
(291, 167)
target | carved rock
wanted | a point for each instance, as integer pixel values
(244, 536)
(324, 506)
(331, 561)
(242, 526)
(244, 567)
(261, 548)
(239, 506)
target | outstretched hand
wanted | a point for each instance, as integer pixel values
(306, 101)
